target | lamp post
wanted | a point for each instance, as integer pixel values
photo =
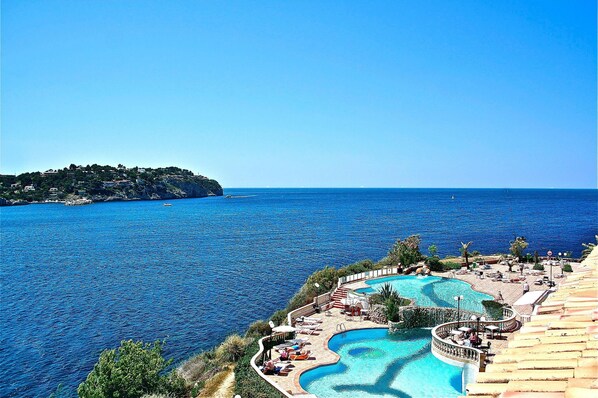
(458, 300)
(317, 285)
(270, 341)
(550, 265)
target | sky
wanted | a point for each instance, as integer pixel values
(306, 93)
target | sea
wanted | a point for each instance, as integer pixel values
(76, 280)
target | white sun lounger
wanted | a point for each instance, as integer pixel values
(312, 320)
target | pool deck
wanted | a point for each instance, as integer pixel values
(318, 344)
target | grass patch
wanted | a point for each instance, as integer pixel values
(213, 385)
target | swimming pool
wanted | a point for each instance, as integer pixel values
(432, 291)
(375, 363)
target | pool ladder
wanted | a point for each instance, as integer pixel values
(340, 327)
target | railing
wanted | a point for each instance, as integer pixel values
(448, 349)
(368, 275)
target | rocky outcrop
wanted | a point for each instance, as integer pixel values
(170, 187)
(105, 184)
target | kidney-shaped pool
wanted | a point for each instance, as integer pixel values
(432, 291)
(375, 363)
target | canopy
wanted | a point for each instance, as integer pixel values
(530, 298)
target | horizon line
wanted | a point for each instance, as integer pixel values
(303, 187)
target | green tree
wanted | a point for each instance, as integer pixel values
(518, 246)
(464, 249)
(131, 371)
(406, 251)
(433, 250)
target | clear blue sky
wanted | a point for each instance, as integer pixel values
(306, 93)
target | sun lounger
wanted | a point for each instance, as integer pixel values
(312, 320)
(309, 326)
(301, 357)
(307, 331)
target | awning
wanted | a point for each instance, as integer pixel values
(530, 298)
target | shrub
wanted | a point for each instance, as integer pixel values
(326, 278)
(258, 329)
(493, 309)
(232, 348)
(406, 251)
(279, 317)
(197, 370)
(391, 310)
(435, 264)
(567, 267)
(131, 371)
(247, 382)
(451, 265)
(385, 262)
(538, 267)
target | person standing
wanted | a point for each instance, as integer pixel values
(525, 287)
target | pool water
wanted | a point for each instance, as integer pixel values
(432, 291)
(375, 363)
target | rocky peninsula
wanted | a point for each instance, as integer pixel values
(98, 183)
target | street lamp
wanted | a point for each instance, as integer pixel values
(317, 285)
(458, 300)
(478, 319)
(550, 265)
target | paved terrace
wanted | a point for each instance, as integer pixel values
(555, 355)
(318, 344)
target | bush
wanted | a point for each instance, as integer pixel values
(198, 369)
(279, 317)
(451, 265)
(538, 267)
(567, 267)
(131, 371)
(247, 382)
(435, 264)
(385, 262)
(391, 310)
(406, 251)
(493, 309)
(259, 329)
(232, 348)
(361, 266)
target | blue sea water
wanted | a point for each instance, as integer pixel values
(77, 280)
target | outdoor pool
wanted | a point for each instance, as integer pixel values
(432, 291)
(375, 363)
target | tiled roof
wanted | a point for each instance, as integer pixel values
(555, 355)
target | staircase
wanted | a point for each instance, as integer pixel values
(339, 293)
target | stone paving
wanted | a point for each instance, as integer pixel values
(318, 344)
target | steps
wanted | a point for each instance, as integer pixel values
(339, 294)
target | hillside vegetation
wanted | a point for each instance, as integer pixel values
(105, 183)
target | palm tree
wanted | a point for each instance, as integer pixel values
(588, 248)
(464, 252)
